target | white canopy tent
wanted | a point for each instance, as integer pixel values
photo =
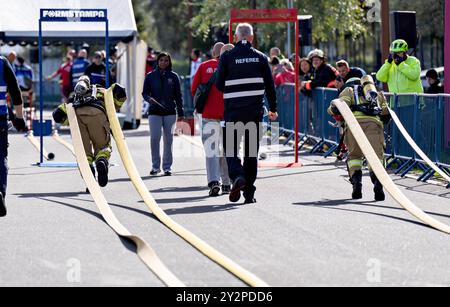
(19, 19)
(19, 24)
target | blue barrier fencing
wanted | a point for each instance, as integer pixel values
(188, 101)
(425, 117)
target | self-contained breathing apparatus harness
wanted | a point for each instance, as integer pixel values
(368, 91)
(86, 95)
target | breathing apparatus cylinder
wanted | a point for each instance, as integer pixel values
(369, 89)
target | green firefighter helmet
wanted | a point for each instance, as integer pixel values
(399, 45)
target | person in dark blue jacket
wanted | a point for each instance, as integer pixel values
(24, 75)
(162, 91)
(79, 66)
(8, 84)
(244, 75)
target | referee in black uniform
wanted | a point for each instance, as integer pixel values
(244, 75)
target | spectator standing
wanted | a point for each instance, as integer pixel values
(436, 86)
(347, 72)
(96, 71)
(400, 71)
(276, 66)
(324, 74)
(276, 52)
(65, 83)
(287, 75)
(212, 115)
(150, 63)
(113, 60)
(340, 82)
(244, 76)
(162, 91)
(24, 75)
(306, 69)
(196, 60)
(12, 56)
(72, 53)
(78, 67)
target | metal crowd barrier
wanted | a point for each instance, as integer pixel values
(313, 117)
(426, 118)
(188, 101)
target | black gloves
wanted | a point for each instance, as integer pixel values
(390, 58)
(59, 115)
(119, 92)
(335, 110)
(385, 118)
(399, 59)
(19, 124)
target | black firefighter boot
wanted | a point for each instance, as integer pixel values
(377, 188)
(357, 185)
(102, 170)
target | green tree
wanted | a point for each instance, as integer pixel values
(346, 15)
(430, 15)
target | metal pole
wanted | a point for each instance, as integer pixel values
(129, 68)
(297, 65)
(41, 113)
(447, 46)
(385, 33)
(415, 119)
(135, 97)
(107, 52)
(288, 48)
(190, 14)
(385, 30)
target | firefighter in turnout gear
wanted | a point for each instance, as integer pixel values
(89, 105)
(369, 106)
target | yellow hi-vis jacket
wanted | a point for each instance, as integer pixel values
(403, 78)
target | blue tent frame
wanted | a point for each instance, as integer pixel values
(67, 15)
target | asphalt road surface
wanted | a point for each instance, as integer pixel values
(304, 230)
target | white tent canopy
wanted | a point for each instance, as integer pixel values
(19, 19)
(19, 23)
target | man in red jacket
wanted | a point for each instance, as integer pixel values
(216, 165)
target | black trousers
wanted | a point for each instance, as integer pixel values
(250, 133)
(3, 155)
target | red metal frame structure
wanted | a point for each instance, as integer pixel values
(273, 16)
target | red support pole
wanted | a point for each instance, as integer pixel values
(297, 73)
(447, 47)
